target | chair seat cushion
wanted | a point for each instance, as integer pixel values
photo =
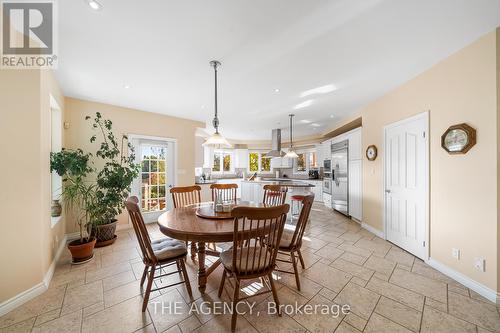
(226, 258)
(167, 248)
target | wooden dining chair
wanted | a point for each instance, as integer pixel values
(157, 255)
(291, 241)
(226, 191)
(250, 258)
(274, 195)
(185, 196)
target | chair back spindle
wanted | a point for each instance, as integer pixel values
(227, 192)
(251, 255)
(274, 195)
(141, 231)
(186, 195)
(307, 203)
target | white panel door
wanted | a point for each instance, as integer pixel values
(406, 173)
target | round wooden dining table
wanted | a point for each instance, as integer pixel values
(185, 224)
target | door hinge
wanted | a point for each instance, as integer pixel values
(423, 134)
(423, 243)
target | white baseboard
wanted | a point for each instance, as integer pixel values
(466, 281)
(52, 267)
(36, 290)
(374, 231)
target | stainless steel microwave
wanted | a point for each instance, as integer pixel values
(327, 166)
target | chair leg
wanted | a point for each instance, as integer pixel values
(148, 288)
(235, 302)
(179, 268)
(295, 270)
(194, 250)
(275, 294)
(222, 281)
(144, 275)
(301, 259)
(181, 263)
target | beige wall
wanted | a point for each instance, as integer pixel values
(463, 188)
(52, 236)
(26, 234)
(129, 121)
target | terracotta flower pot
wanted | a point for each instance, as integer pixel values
(81, 253)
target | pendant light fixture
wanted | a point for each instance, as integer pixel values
(216, 140)
(291, 153)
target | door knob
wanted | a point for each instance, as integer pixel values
(387, 191)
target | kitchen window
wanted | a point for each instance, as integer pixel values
(301, 162)
(259, 162)
(304, 162)
(223, 161)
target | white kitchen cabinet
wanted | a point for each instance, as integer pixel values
(355, 189)
(327, 200)
(355, 146)
(319, 154)
(327, 149)
(281, 162)
(317, 189)
(241, 158)
(208, 157)
(251, 191)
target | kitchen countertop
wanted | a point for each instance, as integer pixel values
(212, 181)
(286, 183)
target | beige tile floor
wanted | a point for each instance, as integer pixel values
(387, 289)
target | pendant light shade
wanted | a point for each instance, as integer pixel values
(216, 139)
(291, 153)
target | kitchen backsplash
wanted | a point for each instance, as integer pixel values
(242, 172)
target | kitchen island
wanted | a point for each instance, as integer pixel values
(253, 190)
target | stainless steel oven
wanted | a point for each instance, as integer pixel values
(327, 185)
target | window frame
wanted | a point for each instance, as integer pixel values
(259, 160)
(307, 162)
(222, 153)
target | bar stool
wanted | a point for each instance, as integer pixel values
(296, 203)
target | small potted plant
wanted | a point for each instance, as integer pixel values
(79, 198)
(113, 181)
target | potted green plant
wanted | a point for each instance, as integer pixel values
(78, 196)
(113, 181)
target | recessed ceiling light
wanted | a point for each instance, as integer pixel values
(319, 90)
(315, 125)
(304, 104)
(126, 86)
(331, 116)
(305, 121)
(276, 90)
(94, 4)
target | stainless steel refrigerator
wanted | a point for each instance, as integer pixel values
(340, 174)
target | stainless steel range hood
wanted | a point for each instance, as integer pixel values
(276, 144)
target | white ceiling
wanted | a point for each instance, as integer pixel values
(161, 49)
